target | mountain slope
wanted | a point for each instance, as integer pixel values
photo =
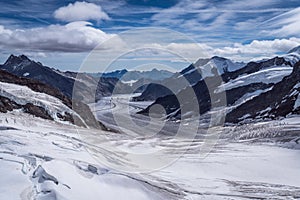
(19, 94)
(245, 90)
(86, 85)
(189, 76)
(22, 66)
(35, 86)
(281, 101)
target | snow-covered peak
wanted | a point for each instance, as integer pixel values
(224, 64)
(295, 50)
(293, 55)
(221, 64)
(16, 60)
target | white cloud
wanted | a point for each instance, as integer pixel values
(191, 52)
(73, 37)
(56, 38)
(254, 50)
(257, 49)
(80, 11)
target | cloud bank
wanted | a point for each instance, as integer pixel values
(73, 37)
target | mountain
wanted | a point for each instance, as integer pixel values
(262, 89)
(295, 50)
(189, 76)
(86, 85)
(115, 74)
(132, 76)
(22, 66)
(18, 94)
(282, 100)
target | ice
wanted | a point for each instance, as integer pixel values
(297, 102)
(42, 159)
(23, 95)
(270, 75)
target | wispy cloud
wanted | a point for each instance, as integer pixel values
(286, 24)
(219, 19)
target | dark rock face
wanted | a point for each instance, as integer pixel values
(278, 102)
(108, 86)
(79, 107)
(66, 117)
(185, 99)
(35, 86)
(7, 105)
(24, 67)
(175, 83)
(86, 86)
(152, 92)
(85, 113)
(190, 76)
(236, 93)
(253, 108)
(255, 67)
(36, 111)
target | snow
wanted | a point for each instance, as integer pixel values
(220, 64)
(26, 74)
(270, 75)
(246, 97)
(131, 82)
(293, 57)
(23, 95)
(35, 167)
(41, 159)
(12, 179)
(236, 164)
(297, 102)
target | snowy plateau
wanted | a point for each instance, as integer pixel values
(42, 159)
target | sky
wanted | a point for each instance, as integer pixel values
(104, 35)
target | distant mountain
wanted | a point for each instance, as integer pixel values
(256, 90)
(295, 50)
(86, 85)
(189, 76)
(282, 100)
(128, 76)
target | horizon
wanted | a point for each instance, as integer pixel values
(145, 69)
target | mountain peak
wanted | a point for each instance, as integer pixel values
(218, 58)
(295, 50)
(12, 59)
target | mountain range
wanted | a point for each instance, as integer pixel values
(132, 76)
(260, 90)
(87, 84)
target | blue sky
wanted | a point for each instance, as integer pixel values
(62, 33)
